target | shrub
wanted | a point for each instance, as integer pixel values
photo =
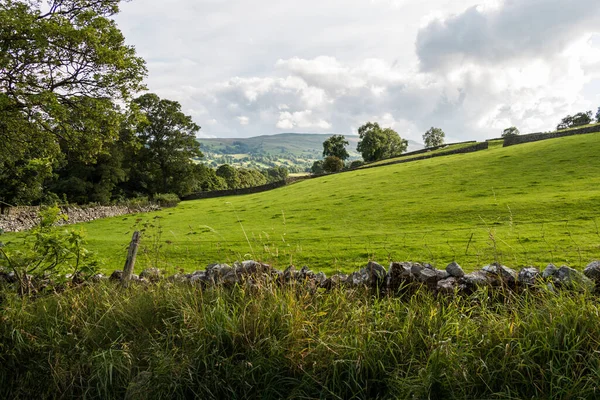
(166, 199)
(48, 252)
(137, 202)
(333, 164)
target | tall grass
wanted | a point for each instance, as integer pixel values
(181, 342)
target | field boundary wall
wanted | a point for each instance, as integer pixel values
(535, 137)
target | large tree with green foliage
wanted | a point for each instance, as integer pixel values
(335, 146)
(572, 121)
(167, 143)
(64, 72)
(598, 116)
(434, 137)
(377, 143)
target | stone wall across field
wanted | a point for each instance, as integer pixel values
(234, 192)
(535, 137)
(19, 219)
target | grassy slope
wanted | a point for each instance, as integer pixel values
(527, 204)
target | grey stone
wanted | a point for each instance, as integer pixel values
(475, 279)
(398, 275)
(573, 279)
(550, 270)
(151, 274)
(97, 278)
(320, 278)
(201, 278)
(252, 267)
(447, 285)
(592, 271)
(506, 274)
(529, 276)
(217, 271)
(415, 269)
(116, 275)
(290, 274)
(377, 274)
(428, 277)
(441, 274)
(335, 281)
(306, 273)
(231, 279)
(455, 270)
(373, 276)
(359, 278)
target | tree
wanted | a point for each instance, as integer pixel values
(230, 175)
(333, 164)
(167, 144)
(317, 167)
(434, 137)
(64, 72)
(276, 174)
(377, 143)
(510, 132)
(336, 146)
(579, 119)
(598, 116)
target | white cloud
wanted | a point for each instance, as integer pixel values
(301, 119)
(471, 67)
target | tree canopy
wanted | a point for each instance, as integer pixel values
(377, 143)
(598, 116)
(65, 72)
(509, 132)
(579, 119)
(434, 137)
(167, 144)
(335, 146)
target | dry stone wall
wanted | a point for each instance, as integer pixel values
(23, 218)
(535, 137)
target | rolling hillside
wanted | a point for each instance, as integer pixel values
(298, 150)
(529, 204)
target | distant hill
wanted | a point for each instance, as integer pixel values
(297, 151)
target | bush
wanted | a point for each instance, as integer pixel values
(137, 202)
(48, 252)
(333, 164)
(166, 199)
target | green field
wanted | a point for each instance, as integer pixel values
(529, 204)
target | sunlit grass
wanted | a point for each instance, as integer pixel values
(533, 203)
(180, 342)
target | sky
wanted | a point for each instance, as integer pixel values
(245, 68)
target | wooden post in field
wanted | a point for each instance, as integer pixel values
(131, 255)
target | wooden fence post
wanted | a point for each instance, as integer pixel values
(131, 255)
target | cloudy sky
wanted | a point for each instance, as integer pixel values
(471, 67)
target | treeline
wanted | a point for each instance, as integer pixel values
(73, 127)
